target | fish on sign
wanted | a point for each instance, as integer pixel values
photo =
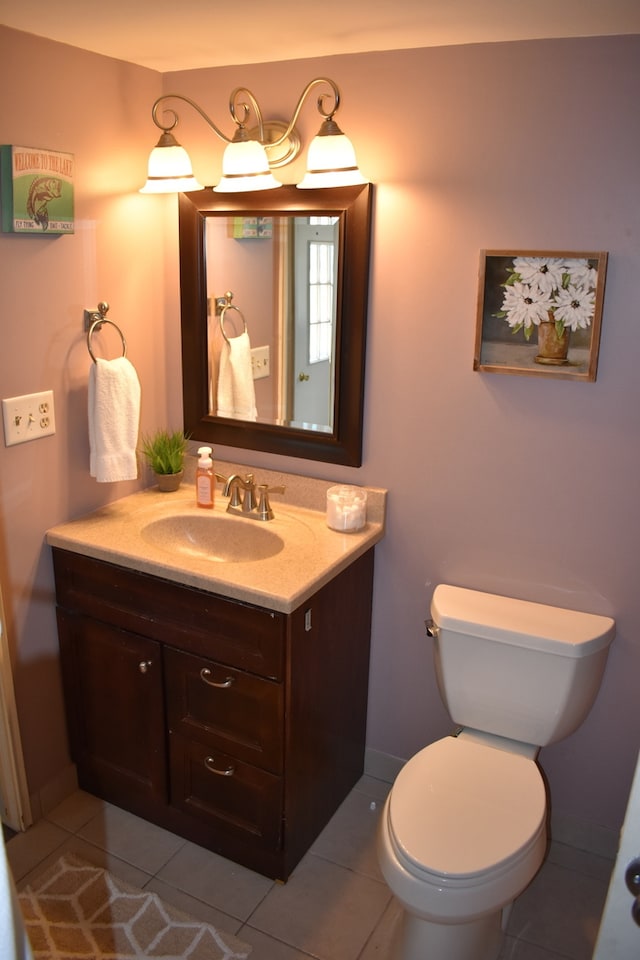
(36, 191)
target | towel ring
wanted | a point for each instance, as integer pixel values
(230, 306)
(101, 318)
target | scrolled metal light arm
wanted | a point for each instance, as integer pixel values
(168, 127)
(246, 111)
(327, 115)
(241, 110)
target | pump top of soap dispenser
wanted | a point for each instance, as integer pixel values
(205, 457)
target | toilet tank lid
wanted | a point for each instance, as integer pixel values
(567, 633)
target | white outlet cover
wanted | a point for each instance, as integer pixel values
(29, 417)
(260, 362)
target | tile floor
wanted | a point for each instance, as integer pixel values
(335, 906)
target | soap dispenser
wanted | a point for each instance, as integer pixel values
(205, 479)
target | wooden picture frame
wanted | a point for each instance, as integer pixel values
(540, 313)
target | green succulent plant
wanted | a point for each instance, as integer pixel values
(164, 451)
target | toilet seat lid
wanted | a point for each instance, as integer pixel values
(460, 808)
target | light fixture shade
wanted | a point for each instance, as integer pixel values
(245, 167)
(331, 162)
(169, 169)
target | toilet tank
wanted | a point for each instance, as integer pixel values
(521, 670)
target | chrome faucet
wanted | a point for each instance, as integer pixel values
(232, 487)
(248, 504)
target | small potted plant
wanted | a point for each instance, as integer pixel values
(164, 452)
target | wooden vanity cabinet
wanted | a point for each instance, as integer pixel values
(238, 727)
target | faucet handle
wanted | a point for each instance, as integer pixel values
(249, 501)
(264, 507)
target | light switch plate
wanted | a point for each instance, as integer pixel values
(260, 365)
(28, 417)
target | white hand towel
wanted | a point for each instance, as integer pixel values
(114, 418)
(236, 392)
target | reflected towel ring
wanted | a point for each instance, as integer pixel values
(97, 323)
(231, 306)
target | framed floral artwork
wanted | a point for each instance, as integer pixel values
(539, 313)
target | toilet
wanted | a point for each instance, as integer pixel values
(464, 828)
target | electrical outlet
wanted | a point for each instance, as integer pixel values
(28, 418)
(260, 365)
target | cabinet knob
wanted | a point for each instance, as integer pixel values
(144, 666)
(205, 674)
(210, 764)
(632, 880)
(632, 877)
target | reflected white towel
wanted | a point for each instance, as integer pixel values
(236, 392)
(114, 417)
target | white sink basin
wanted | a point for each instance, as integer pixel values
(223, 538)
(276, 564)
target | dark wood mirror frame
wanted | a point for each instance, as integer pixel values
(354, 206)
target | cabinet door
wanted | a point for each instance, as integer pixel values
(113, 691)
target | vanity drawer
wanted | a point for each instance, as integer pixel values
(243, 635)
(228, 795)
(225, 708)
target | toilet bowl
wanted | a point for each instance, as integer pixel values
(462, 833)
(463, 830)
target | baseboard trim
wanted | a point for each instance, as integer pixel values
(54, 792)
(580, 834)
(583, 835)
(382, 766)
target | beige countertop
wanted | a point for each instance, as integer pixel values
(311, 556)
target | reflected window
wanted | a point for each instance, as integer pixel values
(322, 290)
(321, 300)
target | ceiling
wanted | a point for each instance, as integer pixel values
(168, 35)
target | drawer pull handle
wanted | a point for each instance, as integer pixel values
(210, 764)
(205, 674)
(144, 666)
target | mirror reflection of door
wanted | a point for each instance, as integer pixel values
(316, 271)
(260, 274)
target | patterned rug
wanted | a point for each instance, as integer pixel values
(76, 911)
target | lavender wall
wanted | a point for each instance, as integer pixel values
(62, 98)
(510, 484)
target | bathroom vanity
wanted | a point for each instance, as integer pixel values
(223, 699)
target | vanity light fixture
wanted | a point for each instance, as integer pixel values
(252, 153)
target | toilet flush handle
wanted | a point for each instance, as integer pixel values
(431, 628)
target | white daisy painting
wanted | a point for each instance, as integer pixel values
(540, 313)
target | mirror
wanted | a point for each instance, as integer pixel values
(249, 244)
